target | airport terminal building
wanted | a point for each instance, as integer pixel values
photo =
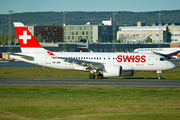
(174, 30)
(158, 34)
(105, 32)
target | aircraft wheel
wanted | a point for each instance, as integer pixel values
(100, 76)
(91, 76)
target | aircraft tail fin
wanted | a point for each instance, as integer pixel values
(28, 43)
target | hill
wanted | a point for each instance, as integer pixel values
(80, 17)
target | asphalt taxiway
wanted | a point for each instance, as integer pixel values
(174, 83)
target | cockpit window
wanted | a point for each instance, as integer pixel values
(166, 58)
(162, 59)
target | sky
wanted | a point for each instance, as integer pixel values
(20, 6)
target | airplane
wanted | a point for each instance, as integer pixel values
(167, 52)
(105, 64)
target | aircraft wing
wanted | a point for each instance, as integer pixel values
(88, 65)
(167, 55)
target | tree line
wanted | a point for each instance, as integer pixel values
(123, 18)
(4, 39)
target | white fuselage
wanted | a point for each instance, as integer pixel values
(128, 61)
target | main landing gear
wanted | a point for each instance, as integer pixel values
(100, 76)
(92, 76)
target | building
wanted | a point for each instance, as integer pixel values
(89, 33)
(122, 47)
(158, 34)
(48, 33)
(94, 47)
(76, 33)
(174, 31)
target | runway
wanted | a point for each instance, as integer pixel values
(174, 83)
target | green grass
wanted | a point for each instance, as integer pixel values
(37, 72)
(86, 103)
(89, 103)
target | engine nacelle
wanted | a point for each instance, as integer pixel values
(127, 73)
(112, 70)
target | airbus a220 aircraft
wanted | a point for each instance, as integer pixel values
(105, 64)
(167, 52)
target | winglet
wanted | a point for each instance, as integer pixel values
(178, 53)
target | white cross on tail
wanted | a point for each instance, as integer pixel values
(24, 37)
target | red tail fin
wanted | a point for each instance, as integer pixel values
(26, 40)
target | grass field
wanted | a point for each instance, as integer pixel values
(89, 103)
(37, 72)
(86, 103)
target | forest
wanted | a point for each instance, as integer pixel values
(123, 18)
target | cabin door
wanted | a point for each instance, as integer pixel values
(151, 60)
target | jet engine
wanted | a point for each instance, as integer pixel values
(112, 70)
(115, 71)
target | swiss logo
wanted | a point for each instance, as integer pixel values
(50, 53)
(131, 58)
(25, 37)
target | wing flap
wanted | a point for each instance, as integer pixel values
(88, 65)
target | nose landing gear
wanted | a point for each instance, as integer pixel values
(159, 74)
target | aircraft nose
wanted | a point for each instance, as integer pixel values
(172, 65)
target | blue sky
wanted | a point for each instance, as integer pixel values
(19, 6)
